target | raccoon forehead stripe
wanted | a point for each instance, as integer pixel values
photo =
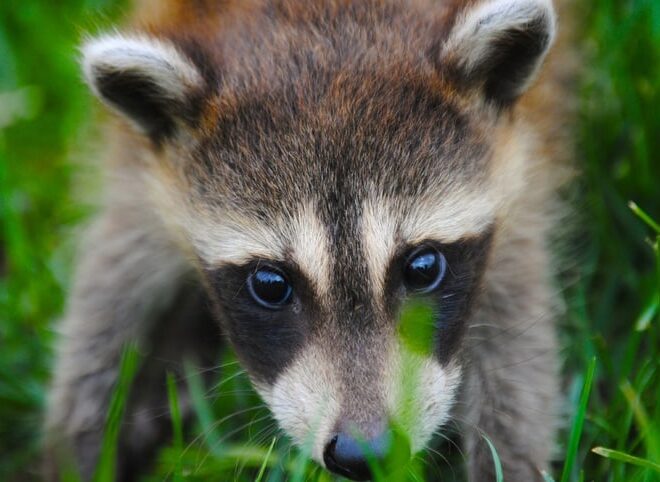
(234, 238)
(379, 229)
(386, 225)
(462, 214)
(310, 247)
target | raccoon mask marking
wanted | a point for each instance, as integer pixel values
(324, 164)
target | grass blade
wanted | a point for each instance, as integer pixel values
(642, 419)
(578, 422)
(300, 467)
(262, 469)
(624, 457)
(203, 409)
(177, 424)
(644, 217)
(650, 312)
(496, 459)
(105, 471)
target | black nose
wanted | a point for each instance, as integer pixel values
(347, 457)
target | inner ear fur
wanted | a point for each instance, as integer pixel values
(497, 46)
(147, 80)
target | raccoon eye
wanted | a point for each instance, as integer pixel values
(424, 270)
(269, 288)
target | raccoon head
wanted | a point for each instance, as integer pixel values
(337, 170)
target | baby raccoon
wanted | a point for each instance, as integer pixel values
(289, 176)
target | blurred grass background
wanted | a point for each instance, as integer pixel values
(612, 291)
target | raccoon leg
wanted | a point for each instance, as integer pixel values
(187, 333)
(128, 274)
(512, 387)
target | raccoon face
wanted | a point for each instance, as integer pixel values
(339, 185)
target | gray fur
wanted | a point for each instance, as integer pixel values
(334, 127)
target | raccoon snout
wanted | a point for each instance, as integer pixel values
(346, 456)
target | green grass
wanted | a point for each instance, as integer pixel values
(611, 279)
(105, 471)
(177, 425)
(578, 423)
(499, 477)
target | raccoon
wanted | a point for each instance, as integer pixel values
(286, 177)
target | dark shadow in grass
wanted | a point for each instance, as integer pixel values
(3, 260)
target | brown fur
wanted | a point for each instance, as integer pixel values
(337, 105)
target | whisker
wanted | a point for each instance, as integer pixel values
(430, 463)
(217, 386)
(523, 361)
(204, 434)
(526, 325)
(451, 442)
(413, 475)
(228, 435)
(222, 393)
(181, 377)
(444, 459)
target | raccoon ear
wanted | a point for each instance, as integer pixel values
(497, 46)
(147, 80)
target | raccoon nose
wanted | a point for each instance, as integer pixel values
(347, 457)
